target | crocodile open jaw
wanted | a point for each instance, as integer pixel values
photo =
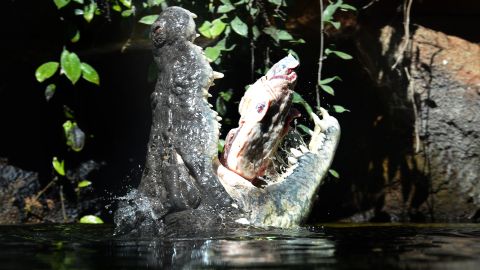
(184, 182)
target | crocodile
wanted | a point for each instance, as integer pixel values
(184, 181)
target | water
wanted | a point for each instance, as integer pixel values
(333, 246)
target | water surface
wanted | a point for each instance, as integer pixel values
(332, 246)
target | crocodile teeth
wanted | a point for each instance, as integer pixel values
(292, 160)
(296, 153)
(304, 149)
(217, 75)
(243, 221)
(210, 105)
(209, 95)
(316, 119)
(219, 118)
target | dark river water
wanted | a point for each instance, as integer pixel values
(332, 246)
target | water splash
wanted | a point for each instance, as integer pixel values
(135, 215)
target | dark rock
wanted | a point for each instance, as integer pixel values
(24, 200)
(15, 185)
(433, 99)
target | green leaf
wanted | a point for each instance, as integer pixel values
(328, 89)
(75, 137)
(212, 53)
(225, 8)
(298, 41)
(117, 7)
(89, 11)
(329, 80)
(90, 74)
(69, 114)
(277, 34)
(284, 35)
(255, 32)
(148, 20)
(228, 30)
(217, 28)
(272, 32)
(221, 145)
(335, 24)
(226, 95)
(241, 2)
(46, 71)
(253, 12)
(220, 106)
(71, 66)
(50, 91)
(334, 173)
(59, 166)
(79, 1)
(276, 2)
(347, 7)
(292, 52)
(126, 3)
(222, 46)
(239, 27)
(76, 37)
(305, 129)
(84, 183)
(91, 219)
(61, 3)
(298, 99)
(340, 54)
(340, 109)
(330, 10)
(212, 29)
(127, 13)
(153, 3)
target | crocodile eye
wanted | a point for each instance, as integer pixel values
(260, 107)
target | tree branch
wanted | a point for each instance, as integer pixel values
(320, 58)
(407, 5)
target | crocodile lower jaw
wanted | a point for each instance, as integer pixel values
(287, 201)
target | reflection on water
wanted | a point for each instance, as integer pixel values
(334, 246)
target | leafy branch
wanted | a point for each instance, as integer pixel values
(327, 16)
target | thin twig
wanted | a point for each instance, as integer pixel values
(252, 60)
(45, 188)
(407, 5)
(320, 58)
(267, 57)
(263, 12)
(369, 4)
(62, 202)
(411, 89)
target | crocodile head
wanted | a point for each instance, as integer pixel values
(183, 175)
(286, 198)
